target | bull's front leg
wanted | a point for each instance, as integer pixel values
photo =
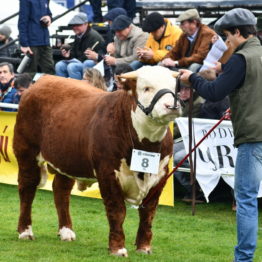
(146, 215)
(62, 187)
(116, 211)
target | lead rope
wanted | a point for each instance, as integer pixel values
(192, 162)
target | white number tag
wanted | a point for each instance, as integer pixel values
(146, 162)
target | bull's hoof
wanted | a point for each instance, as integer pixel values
(146, 250)
(27, 234)
(120, 253)
(67, 234)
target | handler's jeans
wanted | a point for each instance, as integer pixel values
(247, 180)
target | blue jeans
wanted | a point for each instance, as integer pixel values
(247, 181)
(72, 68)
(136, 64)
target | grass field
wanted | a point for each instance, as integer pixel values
(209, 236)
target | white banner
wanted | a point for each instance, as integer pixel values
(215, 156)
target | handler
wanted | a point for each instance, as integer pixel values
(241, 79)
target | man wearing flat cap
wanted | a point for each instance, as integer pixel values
(162, 37)
(241, 79)
(79, 55)
(193, 45)
(128, 38)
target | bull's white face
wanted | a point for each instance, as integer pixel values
(150, 80)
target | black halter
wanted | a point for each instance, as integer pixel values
(158, 95)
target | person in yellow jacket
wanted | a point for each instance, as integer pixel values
(163, 36)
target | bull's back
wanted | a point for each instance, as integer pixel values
(50, 113)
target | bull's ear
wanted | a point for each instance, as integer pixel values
(129, 81)
(130, 84)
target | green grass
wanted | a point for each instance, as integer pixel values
(209, 236)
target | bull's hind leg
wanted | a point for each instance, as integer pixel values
(28, 180)
(116, 212)
(62, 187)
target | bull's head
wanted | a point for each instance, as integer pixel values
(155, 91)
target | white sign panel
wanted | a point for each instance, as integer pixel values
(215, 156)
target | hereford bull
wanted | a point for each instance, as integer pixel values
(83, 133)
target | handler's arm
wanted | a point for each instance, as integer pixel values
(232, 77)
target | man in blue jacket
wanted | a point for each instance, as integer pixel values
(34, 19)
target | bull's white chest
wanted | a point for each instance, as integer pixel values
(134, 187)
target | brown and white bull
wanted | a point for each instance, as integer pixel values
(83, 133)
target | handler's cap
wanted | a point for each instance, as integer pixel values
(121, 22)
(188, 14)
(79, 19)
(114, 13)
(235, 17)
(153, 22)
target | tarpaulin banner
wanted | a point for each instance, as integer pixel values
(216, 155)
(9, 167)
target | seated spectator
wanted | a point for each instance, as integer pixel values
(7, 91)
(110, 17)
(8, 54)
(163, 36)
(93, 55)
(76, 55)
(128, 38)
(5, 32)
(120, 69)
(21, 83)
(95, 78)
(193, 45)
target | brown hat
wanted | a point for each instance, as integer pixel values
(188, 14)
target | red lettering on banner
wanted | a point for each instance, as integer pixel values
(3, 146)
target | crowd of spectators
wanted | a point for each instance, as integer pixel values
(124, 47)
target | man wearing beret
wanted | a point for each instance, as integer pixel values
(128, 38)
(193, 45)
(241, 79)
(163, 36)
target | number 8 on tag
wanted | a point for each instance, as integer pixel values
(146, 162)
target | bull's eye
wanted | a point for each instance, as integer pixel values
(146, 89)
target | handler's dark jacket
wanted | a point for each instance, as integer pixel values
(246, 101)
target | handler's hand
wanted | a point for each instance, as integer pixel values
(185, 74)
(217, 67)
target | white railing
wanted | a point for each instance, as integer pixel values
(7, 105)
